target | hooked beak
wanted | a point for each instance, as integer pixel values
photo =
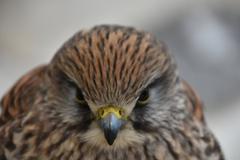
(111, 120)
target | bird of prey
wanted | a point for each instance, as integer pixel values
(110, 92)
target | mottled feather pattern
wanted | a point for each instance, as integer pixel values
(109, 64)
(18, 100)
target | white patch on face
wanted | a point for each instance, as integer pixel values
(126, 137)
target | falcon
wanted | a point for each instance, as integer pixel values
(110, 92)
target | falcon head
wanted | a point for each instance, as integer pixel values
(112, 85)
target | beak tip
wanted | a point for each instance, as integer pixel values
(110, 142)
(110, 137)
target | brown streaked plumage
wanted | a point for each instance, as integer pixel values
(111, 92)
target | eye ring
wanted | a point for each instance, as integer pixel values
(143, 98)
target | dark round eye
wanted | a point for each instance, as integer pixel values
(80, 98)
(143, 98)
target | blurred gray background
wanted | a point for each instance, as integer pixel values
(203, 35)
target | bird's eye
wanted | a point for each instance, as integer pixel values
(80, 98)
(143, 98)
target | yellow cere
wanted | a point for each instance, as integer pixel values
(104, 111)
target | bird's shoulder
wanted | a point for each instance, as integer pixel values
(27, 92)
